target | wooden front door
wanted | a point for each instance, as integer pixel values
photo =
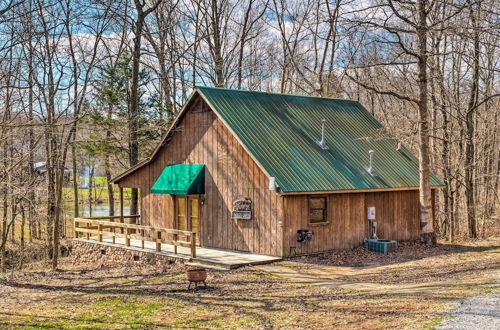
(188, 214)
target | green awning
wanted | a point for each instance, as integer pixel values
(181, 179)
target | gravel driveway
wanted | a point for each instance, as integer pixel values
(482, 312)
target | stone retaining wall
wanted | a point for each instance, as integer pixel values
(90, 252)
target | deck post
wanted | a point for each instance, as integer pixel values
(176, 237)
(127, 237)
(158, 241)
(99, 232)
(114, 230)
(75, 225)
(88, 233)
(193, 245)
(121, 207)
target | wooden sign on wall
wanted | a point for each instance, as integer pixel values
(242, 208)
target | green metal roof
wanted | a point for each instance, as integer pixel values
(181, 179)
(281, 131)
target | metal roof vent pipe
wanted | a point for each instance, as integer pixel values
(323, 143)
(371, 168)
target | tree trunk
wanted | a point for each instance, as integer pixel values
(91, 188)
(31, 152)
(445, 158)
(51, 193)
(243, 39)
(133, 120)
(23, 224)
(107, 167)
(134, 95)
(4, 228)
(13, 216)
(426, 221)
(469, 161)
(50, 148)
(217, 45)
(58, 224)
(76, 202)
(111, 198)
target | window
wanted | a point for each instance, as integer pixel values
(318, 210)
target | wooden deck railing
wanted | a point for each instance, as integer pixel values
(102, 226)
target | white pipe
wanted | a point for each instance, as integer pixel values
(322, 143)
(370, 169)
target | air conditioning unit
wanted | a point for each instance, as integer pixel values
(381, 245)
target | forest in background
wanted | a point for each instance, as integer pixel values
(94, 84)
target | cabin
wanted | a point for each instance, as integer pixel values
(278, 175)
(40, 169)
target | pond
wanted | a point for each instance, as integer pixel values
(97, 210)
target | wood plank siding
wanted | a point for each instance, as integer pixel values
(397, 216)
(201, 138)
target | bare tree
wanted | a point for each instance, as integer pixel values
(142, 13)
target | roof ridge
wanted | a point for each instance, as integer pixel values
(275, 93)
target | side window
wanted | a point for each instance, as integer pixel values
(318, 210)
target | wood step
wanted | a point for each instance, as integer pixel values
(214, 263)
(207, 266)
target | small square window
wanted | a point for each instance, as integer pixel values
(318, 209)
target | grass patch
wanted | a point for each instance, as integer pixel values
(108, 313)
(433, 324)
(492, 289)
(198, 322)
(166, 277)
(100, 191)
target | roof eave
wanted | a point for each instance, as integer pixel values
(347, 191)
(130, 170)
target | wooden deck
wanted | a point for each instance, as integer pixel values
(211, 258)
(173, 243)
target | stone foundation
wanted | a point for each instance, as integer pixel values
(90, 252)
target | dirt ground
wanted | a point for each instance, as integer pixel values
(411, 288)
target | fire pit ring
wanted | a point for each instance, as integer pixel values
(196, 275)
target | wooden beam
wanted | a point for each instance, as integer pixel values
(114, 217)
(114, 231)
(121, 207)
(158, 241)
(127, 237)
(99, 233)
(193, 245)
(132, 226)
(176, 238)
